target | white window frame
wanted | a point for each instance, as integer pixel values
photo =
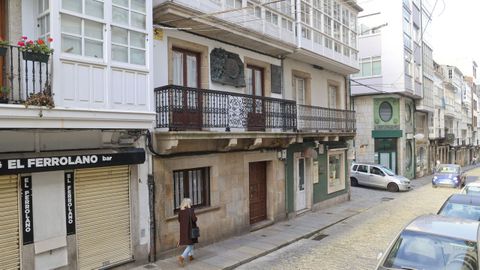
(43, 14)
(130, 29)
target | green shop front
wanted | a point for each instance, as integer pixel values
(393, 148)
(316, 175)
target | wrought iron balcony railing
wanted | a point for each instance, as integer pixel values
(22, 75)
(186, 108)
(312, 118)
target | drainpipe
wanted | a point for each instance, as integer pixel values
(153, 243)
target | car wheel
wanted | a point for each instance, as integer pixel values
(392, 187)
(353, 182)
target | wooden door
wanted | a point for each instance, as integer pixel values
(256, 106)
(186, 101)
(258, 191)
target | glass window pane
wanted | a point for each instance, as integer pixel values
(376, 68)
(46, 4)
(72, 25)
(138, 20)
(119, 35)
(120, 53)
(123, 3)
(41, 25)
(192, 71)
(47, 23)
(93, 48)
(93, 29)
(71, 44)
(94, 8)
(177, 68)
(137, 57)
(73, 5)
(120, 15)
(138, 5)
(137, 39)
(366, 69)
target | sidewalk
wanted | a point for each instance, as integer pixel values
(242, 249)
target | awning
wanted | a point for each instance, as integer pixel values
(67, 160)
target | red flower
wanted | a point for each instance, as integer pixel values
(21, 44)
(50, 39)
(30, 42)
(24, 37)
(40, 41)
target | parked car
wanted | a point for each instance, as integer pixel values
(471, 189)
(433, 242)
(462, 206)
(379, 176)
(448, 175)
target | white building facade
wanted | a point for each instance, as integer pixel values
(74, 168)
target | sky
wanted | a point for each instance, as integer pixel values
(455, 31)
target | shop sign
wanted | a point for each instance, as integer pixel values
(69, 203)
(66, 162)
(27, 210)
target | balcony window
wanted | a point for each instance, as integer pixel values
(254, 10)
(305, 16)
(332, 96)
(234, 4)
(317, 4)
(336, 11)
(345, 16)
(92, 8)
(286, 8)
(306, 33)
(345, 38)
(328, 43)
(43, 19)
(287, 24)
(327, 7)
(327, 25)
(128, 45)
(82, 37)
(317, 38)
(336, 30)
(317, 20)
(338, 47)
(271, 17)
(370, 66)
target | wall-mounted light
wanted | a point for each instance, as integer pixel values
(282, 154)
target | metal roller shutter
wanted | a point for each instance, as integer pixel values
(103, 216)
(9, 223)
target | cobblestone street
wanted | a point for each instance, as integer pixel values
(356, 242)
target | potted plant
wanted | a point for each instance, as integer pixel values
(40, 99)
(4, 94)
(3, 46)
(37, 50)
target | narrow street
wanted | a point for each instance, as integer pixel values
(356, 242)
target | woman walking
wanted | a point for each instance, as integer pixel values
(188, 220)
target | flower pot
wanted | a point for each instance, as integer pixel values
(36, 57)
(3, 51)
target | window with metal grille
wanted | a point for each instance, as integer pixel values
(193, 184)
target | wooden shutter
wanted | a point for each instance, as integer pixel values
(9, 223)
(103, 216)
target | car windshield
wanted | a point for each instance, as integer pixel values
(388, 171)
(418, 250)
(448, 169)
(472, 190)
(466, 211)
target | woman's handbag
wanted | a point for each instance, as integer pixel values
(195, 231)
